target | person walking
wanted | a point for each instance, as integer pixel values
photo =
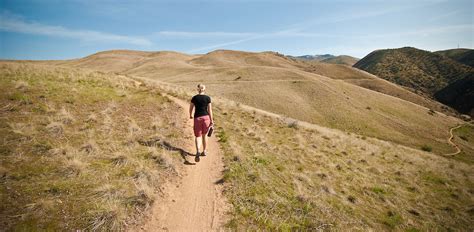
(203, 119)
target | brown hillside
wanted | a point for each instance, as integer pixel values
(423, 71)
(88, 150)
(230, 58)
(346, 60)
(71, 151)
(462, 55)
(369, 81)
(222, 63)
(326, 94)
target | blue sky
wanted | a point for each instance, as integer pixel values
(62, 29)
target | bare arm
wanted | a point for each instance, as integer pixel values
(191, 106)
(209, 109)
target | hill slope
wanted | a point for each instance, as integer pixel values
(313, 57)
(459, 95)
(281, 176)
(331, 95)
(346, 60)
(462, 55)
(420, 70)
(172, 65)
(72, 156)
(84, 150)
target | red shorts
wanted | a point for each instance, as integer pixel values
(201, 125)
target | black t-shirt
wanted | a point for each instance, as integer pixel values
(201, 102)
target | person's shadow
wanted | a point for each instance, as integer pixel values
(156, 141)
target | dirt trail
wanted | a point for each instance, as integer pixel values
(196, 203)
(458, 150)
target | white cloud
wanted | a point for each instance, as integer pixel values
(223, 44)
(256, 36)
(298, 34)
(297, 29)
(192, 34)
(15, 23)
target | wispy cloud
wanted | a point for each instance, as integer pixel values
(223, 44)
(256, 36)
(298, 29)
(211, 34)
(14, 23)
(294, 30)
(297, 34)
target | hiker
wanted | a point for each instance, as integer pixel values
(202, 118)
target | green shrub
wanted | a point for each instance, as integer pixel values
(426, 148)
(222, 136)
(392, 219)
(378, 190)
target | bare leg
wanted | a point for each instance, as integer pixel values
(204, 143)
(196, 141)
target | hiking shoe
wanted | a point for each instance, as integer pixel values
(197, 157)
(203, 153)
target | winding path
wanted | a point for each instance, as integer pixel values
(458, 150)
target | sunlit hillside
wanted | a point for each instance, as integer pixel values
(73, 154)
(326, 94)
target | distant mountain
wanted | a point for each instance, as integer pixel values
(427, 73)
(343, 59)
(313, 57)
(462, 55)
(423, 71)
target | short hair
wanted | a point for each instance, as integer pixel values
(201, 87)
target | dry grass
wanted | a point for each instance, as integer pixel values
(464, 138)
(344, 60)
(343, 106)
(69, 153)
(331, 95)
(284, 177)
(280, 175)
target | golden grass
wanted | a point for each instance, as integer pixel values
(343, 60)
(464, 138)
(338, 105)
(70, 157)
(93, 174)
(336, 96)
(281, 176)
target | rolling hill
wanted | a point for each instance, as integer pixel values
(343, 59)
(170, 65)
(330, 95)
(462, 55)
(88, 150)
(424, 72)
(327, 58)
(312, 57)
